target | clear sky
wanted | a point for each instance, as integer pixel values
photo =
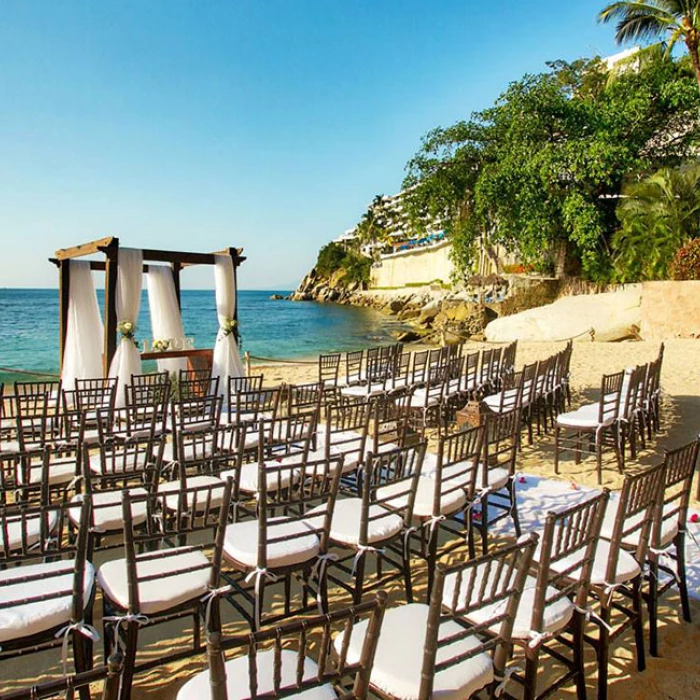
(262, 124)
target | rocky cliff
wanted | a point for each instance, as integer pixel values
(435, 314)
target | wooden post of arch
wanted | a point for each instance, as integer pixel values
(111, 268)
(63, 296)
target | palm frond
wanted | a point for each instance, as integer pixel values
(640, 20)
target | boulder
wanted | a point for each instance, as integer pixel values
(429, 312)
(408, 336)
(610, 316)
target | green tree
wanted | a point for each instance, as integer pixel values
(540, 170)
(649, 19)
(372, 227)
(658, 215)
(330, 258)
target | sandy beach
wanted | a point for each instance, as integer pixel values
(675, 675)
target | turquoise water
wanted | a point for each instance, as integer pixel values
(276, 329)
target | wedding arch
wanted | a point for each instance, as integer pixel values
(92, 345)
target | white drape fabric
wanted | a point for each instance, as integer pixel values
(84, 343)
(127, 360)
(227, 361)
(166, 319)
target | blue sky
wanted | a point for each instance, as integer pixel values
(201, 124)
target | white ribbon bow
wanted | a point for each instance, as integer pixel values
(208, 599)
(83, 628)
(500, 688)
(589, 615)
(361, 551)
(137, 618)
(319, 570)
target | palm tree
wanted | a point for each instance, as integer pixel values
(658, 215)
(647, 19)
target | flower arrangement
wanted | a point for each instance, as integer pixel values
(229, 326)
(127, 329)
(161, 345)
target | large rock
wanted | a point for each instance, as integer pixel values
(609, 316)
(429, 312)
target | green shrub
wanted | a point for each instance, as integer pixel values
(334, 257)
(686, 264)
(330, 258)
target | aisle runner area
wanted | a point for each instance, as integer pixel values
(537, 496)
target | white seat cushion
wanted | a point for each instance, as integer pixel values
(237, 679)
(627, 567)
(451, 499)
(347, 443)
(27, 531)
(26, 619)
(107, 511)
(583, 417)
(420, 397)
(276, 480)
(398, 662)
(299, 546)
(669, 527)
(213, 496)
(60, 472)
(497, 476)
(132, 461)
(556, 615)
(201, 449)
(162, 593)
(345, 528)
(363, 389)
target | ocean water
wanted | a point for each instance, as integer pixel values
(274, 329)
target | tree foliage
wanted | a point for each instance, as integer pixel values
(334, 257)
(539, 171)
(658, 215)
(671, 20)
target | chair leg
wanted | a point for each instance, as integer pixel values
(599, 457)
(82, 655)
(513, 495)
(556, 449)
(639, 622)
(431, 557)
(359, 579)
(288, 594)
(531, 666)
(652, 604)
(682, 580)
(131, 634)
(602, 651)
(484, 524)
(578, 656)
(406, 565)
(259, 597)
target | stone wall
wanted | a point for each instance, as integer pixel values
(420, 266)
(670, 310)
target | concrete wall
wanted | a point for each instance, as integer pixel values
(670, 310)
(414, 267)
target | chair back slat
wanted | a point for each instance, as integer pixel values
(639, 498)
(680, 465)
(610, 395)
(495, 581)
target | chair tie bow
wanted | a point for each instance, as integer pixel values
(83, 628)
(319, 570)
(137, 618)
(361, 551)
(505, 679)
(208, 598)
